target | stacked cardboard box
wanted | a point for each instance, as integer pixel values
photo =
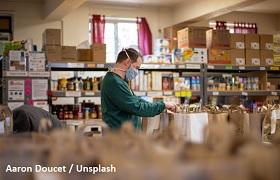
(266, 52)
(68, 53)
(192, 37)
(192, 46)
(52, 44)
(252, 44)
(218, 44)
(276, 49)
(237, 52)
(99, 53)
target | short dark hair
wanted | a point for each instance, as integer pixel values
(132, 53)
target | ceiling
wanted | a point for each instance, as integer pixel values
(140, 2)
(268, 6)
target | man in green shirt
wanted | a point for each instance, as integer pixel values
(118, 102)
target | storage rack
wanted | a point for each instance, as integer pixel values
(18, 75)
(202, 70)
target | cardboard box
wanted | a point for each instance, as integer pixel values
(266, 57)
(218, 39)
(253, 57)
(195, 55)
(68, 53)
(219, 56)
(17, 60)
(237, 41)
(237, 57)
(53, 53)
(252, 41)
(170, 33)
(276, 59)
(266, 42)
(192, 37)
(52, 37)
(99, 53)
(84, 54)
(36, 61)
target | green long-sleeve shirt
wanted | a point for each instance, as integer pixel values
(119, 104)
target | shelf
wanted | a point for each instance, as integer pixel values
(237, 68)
(163, 93)
(79, 65)
(75, 94)
(45, 74)
(90, 65)
(243, 93)
(93, 122)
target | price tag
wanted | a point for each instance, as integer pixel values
(100, 65)
(168, 66)
(73, 94)
(262, 68)
(229, 67)
(210, 67)
(140, 93)
(192, 66)
(91, 65)
(186, 93)
(244, 94)
(154, 94)
(16, 73)
(39, 74)
(181, 66)
(89, 93)
(215, 93)
(274, 68)
(242, 67)
(75, 65)
(147, 66)
(274, 93)
(178, 94)
(168, 93)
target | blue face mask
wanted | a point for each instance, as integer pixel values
(131, 73)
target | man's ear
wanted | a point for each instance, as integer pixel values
(127, 62)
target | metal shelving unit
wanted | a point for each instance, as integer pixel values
(202, 70)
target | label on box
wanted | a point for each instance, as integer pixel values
(16, 90)
(269, 61)
(268, 46)
(256, 61)
(255, 45)
(39, 89)
(239, 45)
(240, 61)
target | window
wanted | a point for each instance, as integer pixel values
(119, 33)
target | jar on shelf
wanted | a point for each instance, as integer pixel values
(70, 85)
(93, 113)
(61, 114)
(87, 110)
(62, 83)
(76, 85)
(87, 84)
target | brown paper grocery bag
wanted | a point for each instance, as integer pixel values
(217, 117)
(255, 124)
(240, 119)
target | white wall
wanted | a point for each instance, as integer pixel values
(76, 24)
(267, 23)
(27, 20)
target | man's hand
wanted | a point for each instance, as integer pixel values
(170, 106)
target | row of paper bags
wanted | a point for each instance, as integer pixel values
(263, 125)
